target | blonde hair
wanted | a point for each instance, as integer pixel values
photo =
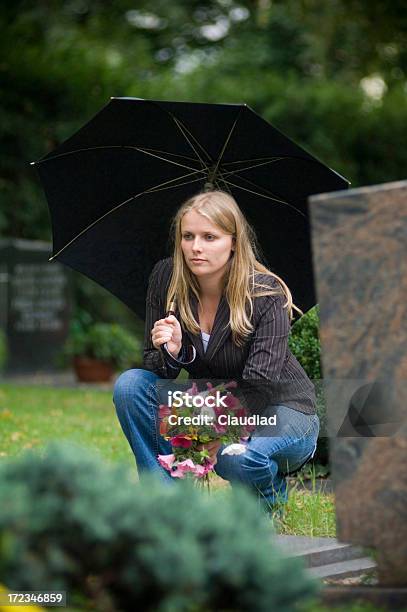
(239, 280)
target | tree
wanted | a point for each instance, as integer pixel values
(331, 75)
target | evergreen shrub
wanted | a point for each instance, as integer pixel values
(305, 345)
(68, 522)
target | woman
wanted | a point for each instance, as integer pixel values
(235, 319)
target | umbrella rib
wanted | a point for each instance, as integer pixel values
(142, 150)
(224, 184)
(255, 159)
(168, 153)
(181, 128)
(265, 196)
(153, 190)
(271, 161)
(133, 197)
(167, 160)
(260, 159)
(272, 195)
(225, 144)
(184, 129)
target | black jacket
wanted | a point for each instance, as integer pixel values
(263, 367)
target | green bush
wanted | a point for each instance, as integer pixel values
(305, 345)
(68, 522)
(3, 350)
(105, 341)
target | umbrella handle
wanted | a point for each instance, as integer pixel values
(171, 311)
(191, 351)
(172, 308)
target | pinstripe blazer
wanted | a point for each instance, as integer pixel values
(265, 369)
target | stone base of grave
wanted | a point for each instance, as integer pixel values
(326, 557)
(319, 485)
(330, 560)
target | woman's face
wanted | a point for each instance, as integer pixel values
(205, 246)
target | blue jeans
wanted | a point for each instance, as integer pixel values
(262, 468)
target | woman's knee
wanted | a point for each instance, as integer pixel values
(130, 383)
(257, 467)
(250, 466)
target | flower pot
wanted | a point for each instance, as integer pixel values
(88, 369)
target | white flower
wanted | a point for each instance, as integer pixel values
(234, 449)
(208, 411)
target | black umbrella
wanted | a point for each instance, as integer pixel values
(113, 187)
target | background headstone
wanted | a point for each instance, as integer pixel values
(360, 261)
(35, 304)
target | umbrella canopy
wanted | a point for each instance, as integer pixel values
(114, 186)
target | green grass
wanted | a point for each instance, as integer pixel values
(307, 513)
(30, 417)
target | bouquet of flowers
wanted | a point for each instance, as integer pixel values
(193, 418)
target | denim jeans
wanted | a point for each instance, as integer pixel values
(262, 468)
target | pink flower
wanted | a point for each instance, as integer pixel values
(202, 470)
(177, 470)
(199, 471)
(189, 466)
(220, 429)
(186, 466)
(194, 389)
(217, 426)
(164, 411)
(218, 410)
(231, 401)
(163, 428)
(182, 441)
(231, 385)
(176, 473)
(166, 461)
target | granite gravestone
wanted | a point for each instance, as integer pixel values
(360, 261)
(35, 305)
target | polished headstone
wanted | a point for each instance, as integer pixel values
(360, 262)
(35, 305)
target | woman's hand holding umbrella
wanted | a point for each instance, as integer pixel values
(167, 331)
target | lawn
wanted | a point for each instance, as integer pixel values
(32, 416)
